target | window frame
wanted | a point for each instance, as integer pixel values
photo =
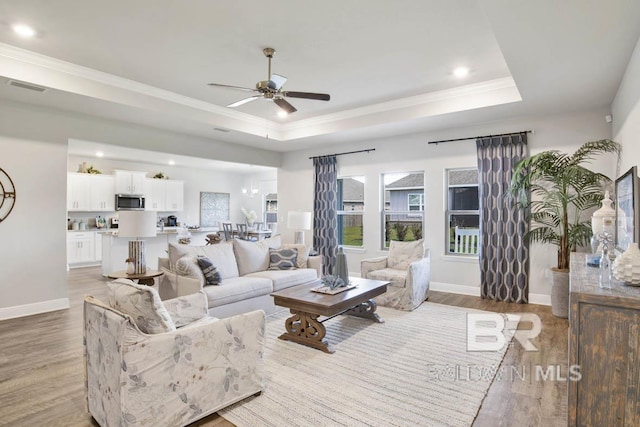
(408, 213)
(450, 212)
(342, 213)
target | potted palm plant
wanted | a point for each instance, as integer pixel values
(557, 189)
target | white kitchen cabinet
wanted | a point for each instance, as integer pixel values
(78, 192)
(102, 189)
(154, 192)
(164, 195)
(174, 195)
(130, 182)
(89, 192)
(80, 247)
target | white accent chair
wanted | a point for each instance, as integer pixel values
(155, 363)
(466, 240)
(407, 267)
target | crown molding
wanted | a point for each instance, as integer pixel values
(82, 72)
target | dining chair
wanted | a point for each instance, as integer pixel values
(257, 226)
(227, 228)
(242, 231)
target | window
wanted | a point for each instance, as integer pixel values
(270, 208)
(463, 215)
(403, 206)
(415, 201)
(350, 207)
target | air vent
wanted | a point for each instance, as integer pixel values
(25, 85)
(222, 130)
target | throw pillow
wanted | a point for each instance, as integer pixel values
(402, 254)
(210, 272)
(303, 253)
(282, 259)
(188, 266)
(142, 303)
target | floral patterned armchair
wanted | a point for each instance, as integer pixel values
(158, 363)
(407, 267)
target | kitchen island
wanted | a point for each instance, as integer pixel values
(115, 250)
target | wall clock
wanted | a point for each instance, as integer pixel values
(7, 195)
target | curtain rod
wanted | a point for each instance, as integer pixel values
(477, 137)
(342, 154)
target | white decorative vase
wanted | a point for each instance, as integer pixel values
(626, 268)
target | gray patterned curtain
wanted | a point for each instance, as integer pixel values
(325, 223)
(504, 254)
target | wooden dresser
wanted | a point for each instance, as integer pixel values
(604, 340)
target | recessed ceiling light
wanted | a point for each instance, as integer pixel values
(24, 30)
(282, 113)
(172, 162)
(461, 72)
(99, 154)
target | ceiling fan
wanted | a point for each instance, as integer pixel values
(272, 89)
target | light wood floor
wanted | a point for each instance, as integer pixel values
(42, 377)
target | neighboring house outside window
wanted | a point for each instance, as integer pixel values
(350, 210)
(462, 215)
(403, 206)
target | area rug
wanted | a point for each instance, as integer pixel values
(412, 370)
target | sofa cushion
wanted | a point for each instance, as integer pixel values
(398, 278)
(254, 256)
(210, 272)
(286, 278)
(303, 253)
(142, 303)
(283, 259)
(188, 266)
(237, 289)
(402, 254)
(221, 255)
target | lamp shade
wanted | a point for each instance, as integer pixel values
(137, 223)
(299, 220)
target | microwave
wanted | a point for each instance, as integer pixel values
(129, 202)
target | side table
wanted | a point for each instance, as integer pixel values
(143, 279)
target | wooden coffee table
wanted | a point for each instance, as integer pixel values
(306, 306)
(143, 278)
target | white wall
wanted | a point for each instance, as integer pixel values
(33, 250)
(626, 113)
(411, 153)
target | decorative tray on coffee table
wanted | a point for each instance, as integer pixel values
(328, 291)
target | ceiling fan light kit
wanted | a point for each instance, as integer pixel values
(272, 89)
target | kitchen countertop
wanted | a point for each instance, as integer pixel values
(167, 230)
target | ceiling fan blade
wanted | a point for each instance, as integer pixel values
(233, 87)
(277, 81)
(308, 95)
(285, 105)
(244, 101)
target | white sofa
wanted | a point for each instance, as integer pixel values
(247, 281)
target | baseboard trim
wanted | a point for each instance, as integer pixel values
(540, 299)
(35, 308)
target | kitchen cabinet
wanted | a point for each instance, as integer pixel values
(130, 182)
(88, 192)
(80, 247)
(164, 195)
(102, 190)
(78, 192)
(97, 251)
(174, 195)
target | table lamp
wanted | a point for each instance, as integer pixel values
(299, 221)
(137, 224)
